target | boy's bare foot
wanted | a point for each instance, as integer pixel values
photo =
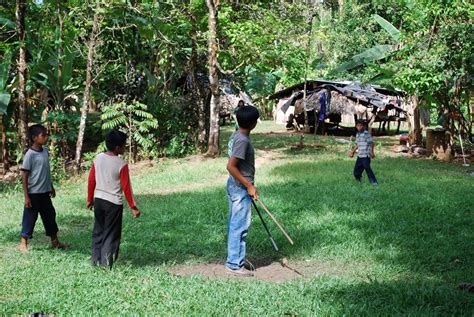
(23, 245)
(55, 244)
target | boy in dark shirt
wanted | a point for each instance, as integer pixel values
(108, 179)
(38, 190)
(240, 190)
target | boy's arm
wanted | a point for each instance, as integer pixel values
(372, 146)
(24, 178)
(234, 171)
(127, 190)
(26, 167)
(351, 154)
(53, 191)
(91, 187)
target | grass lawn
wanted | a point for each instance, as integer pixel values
(400, 248)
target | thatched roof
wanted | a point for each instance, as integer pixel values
(314, 83)
(355, 92)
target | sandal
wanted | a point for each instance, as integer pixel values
(469, 287)
(248, 265)
(58, 245)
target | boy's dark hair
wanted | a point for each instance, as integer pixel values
(36, 130)
(360, 121)
(247, 116)
(115, 138)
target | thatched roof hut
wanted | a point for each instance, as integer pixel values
(339, 102)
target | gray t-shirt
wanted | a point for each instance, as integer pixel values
(39, 177)
(241, 148)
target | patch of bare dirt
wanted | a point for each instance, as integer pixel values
(300, 146)
(141, 165)
(270, 271)
(263, 157)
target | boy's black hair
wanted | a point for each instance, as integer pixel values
(36, 130)
(115, 138)
(247, 116)
(360, 121)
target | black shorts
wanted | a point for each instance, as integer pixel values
(40, 204)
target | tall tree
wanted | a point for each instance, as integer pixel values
(197, 94)
(196, 89)
(22, 73)
(87, 90)
(60, 81)
(213, 142)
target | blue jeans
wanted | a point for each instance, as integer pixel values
(239, 222)
(363, 163)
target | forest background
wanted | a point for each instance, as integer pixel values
(156, 69)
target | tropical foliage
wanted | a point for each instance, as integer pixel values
(154, 54)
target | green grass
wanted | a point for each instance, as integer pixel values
(397, 249)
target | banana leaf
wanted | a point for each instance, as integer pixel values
(387, 26)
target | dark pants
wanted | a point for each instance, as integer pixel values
(40, 203)
(363, 163)
(107, 232)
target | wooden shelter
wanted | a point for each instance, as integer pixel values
(334, 103)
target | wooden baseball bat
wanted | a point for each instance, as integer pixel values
(276, 222)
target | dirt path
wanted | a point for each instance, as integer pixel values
(270, 271)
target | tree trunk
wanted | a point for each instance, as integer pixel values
(4, 154)
(340, 5)
(60, 83)
(416, 121)
(87, 89)
(22, 73)
(59, 102)
(196, 91)
(130, 133)
(213, 141)
(425, 117)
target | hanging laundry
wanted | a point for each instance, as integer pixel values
(322, 102)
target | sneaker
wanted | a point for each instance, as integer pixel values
(375, 184)
(242, 272)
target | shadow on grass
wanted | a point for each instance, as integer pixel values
(414, 232)
(413, 224)
(173, 229)
(420, 223)
(394, 298)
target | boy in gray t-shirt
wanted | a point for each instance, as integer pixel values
(240, 190)
(38, 190)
